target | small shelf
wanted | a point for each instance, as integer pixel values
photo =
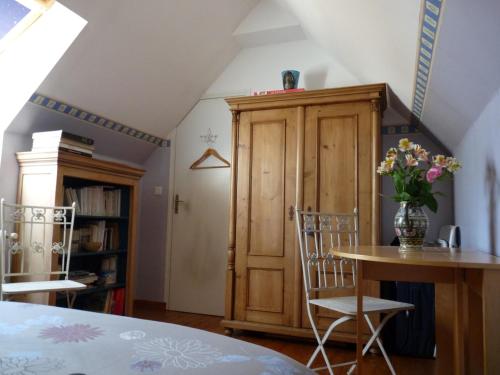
(97, 253)
(94, 289)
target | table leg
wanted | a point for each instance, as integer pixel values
(359, 316)
(449, 326)
(491, 324)
(474, 352)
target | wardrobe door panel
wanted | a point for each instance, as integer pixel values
(337, 177)
(265, 237)
(336, 163)
(267, 198)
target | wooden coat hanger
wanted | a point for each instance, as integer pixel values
(210, 152)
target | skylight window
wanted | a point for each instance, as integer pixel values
(16, 16)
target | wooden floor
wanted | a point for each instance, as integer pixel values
(299, 350)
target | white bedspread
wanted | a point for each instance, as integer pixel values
(37, 339)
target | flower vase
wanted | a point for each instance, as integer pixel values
(410, 224)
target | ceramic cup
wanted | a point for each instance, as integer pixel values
(290, 79)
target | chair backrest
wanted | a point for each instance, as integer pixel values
(27, 244)
(319, 232)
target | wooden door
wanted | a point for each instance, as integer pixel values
(338, 176)
(265, 235)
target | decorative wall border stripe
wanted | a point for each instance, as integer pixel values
(91, 118)
(427, 40)
(399, 129)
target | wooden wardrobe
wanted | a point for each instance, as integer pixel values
(317, 150)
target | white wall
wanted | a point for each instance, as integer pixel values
(260, 68)
(152, 228)
(9, 169)
(477, 185)
(375, 39)
(30, 57)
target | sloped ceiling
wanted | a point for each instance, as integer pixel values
(466, 68)
(146, 63)
(34, 118)
(268, 23)
(376, 40)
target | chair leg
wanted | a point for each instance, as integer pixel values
(322, 341)
(375, 337)
(320, 344)
(70, 300)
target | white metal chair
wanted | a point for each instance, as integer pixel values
(28, 253)
(318, 233)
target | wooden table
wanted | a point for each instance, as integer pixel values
(467, 295)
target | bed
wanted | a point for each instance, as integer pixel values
(38, 339)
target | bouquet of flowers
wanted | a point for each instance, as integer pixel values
(414, 171)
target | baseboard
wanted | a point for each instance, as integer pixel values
(153, 305)
(287, 331)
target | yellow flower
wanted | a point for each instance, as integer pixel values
(420, 152)
(386, 166)
(405, 144)
(382, 169)
(389, 164)
(392, 153)
(439, 160)
(452, 164)
(411, 161)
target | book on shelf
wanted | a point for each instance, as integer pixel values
(61, 140)
(108, 304)
(118, 301)
(105, 233)
(111, 239)
(108, 270)
(92, 232)
(94, 200)
(75, 241)
(274, 92)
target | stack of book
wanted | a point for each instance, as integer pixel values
(84, 277)
(94, 200)
(274, 92)
(61, 140)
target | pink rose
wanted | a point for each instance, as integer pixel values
(433, 173)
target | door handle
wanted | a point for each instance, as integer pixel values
(177, 202)
(291, 213)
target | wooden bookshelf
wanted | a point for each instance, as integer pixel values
(43, 176)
